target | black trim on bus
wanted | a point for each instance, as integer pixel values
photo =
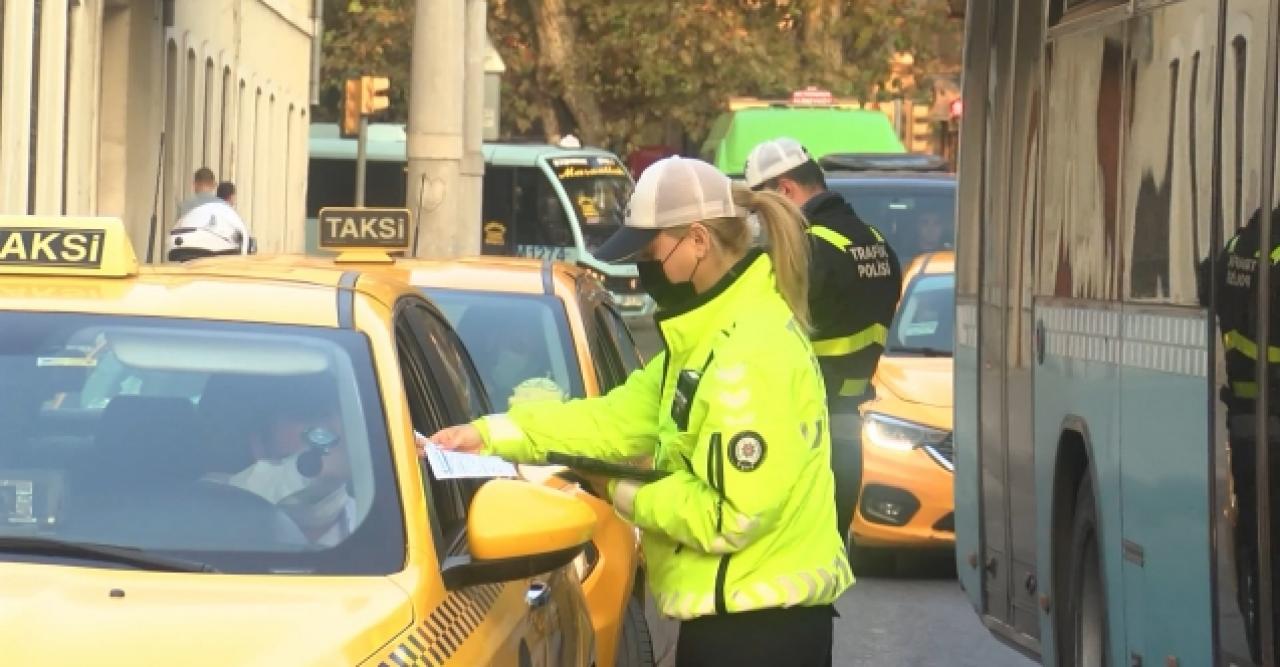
(347, 299)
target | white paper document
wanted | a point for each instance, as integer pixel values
(457, 465)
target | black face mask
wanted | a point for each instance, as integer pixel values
(665, 293)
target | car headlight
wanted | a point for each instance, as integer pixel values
(898, 434)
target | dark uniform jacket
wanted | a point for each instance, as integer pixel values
(1236, 307)
(854, 284)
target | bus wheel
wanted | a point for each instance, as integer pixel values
(1084, 625)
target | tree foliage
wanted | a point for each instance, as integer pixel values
(628, 72)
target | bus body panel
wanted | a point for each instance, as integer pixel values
(1086, 248)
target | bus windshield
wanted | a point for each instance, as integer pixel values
(598, 187)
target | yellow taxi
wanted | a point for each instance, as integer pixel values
(218, 466)
(536, 330)
(537, 327)
(907, 462)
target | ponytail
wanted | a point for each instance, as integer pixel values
(788, 245)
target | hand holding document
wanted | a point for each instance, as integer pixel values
(459, 465)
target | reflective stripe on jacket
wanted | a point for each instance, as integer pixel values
(745, 520)
(854, 284)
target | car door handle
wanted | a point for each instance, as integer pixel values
(538, 595)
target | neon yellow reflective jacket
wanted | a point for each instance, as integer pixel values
(746, 519)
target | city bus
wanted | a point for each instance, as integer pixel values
(540, 201)
(1110, 152)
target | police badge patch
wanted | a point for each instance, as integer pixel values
(746, 451)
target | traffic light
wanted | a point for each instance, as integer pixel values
(374, 96)
(352, 106)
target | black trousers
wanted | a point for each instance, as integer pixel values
(795, 637)
(846, 464)
(1248, 577)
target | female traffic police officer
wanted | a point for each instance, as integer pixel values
(738, 538)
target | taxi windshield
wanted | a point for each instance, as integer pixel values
(250, 448)
(598, 188)
(925, 322)
(915, 220)
(519, 343)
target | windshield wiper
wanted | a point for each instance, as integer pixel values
(922, 351)
(47, 546)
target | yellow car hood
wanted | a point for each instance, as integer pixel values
(921, 380)
(55, 615)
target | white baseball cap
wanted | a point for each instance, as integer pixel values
(672, 192)
(773, 158)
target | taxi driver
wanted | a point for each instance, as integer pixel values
(301, 465)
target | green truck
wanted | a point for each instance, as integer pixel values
(821, 129)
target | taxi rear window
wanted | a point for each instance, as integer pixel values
(520, 343)
(250, 448)
(925, 321)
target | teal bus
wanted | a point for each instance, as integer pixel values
(1110, 508)
(540, 201)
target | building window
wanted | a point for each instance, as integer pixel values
(190, 132)
(171, 128)
(33, 135)
(224, 166)
(207, 157)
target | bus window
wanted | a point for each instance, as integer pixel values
(599, 188)
(498, 212)
(541, 224)
(333, 183)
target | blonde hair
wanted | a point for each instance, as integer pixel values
(788, 243)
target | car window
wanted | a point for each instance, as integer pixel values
(447, 500)
(254, 448)
(520, 343)
(608, 364)
(913, 220)
(458, 379)
(925, 321)
(628, 351)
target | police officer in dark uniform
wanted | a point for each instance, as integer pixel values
(1237, 281)
(854, 285)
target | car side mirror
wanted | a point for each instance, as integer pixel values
(517, 529)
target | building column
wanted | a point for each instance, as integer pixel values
(51, 101)
(83, 115)
(15, 105)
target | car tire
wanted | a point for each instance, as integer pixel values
(1083, 642)
(635, 645)
(870, 561)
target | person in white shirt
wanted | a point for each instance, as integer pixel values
(302, 467)
(209, 229)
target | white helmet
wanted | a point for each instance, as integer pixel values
(208, 229)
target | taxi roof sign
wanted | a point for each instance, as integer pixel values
(67, 246)
(364, 234)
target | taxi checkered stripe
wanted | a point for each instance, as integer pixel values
(438, 637)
